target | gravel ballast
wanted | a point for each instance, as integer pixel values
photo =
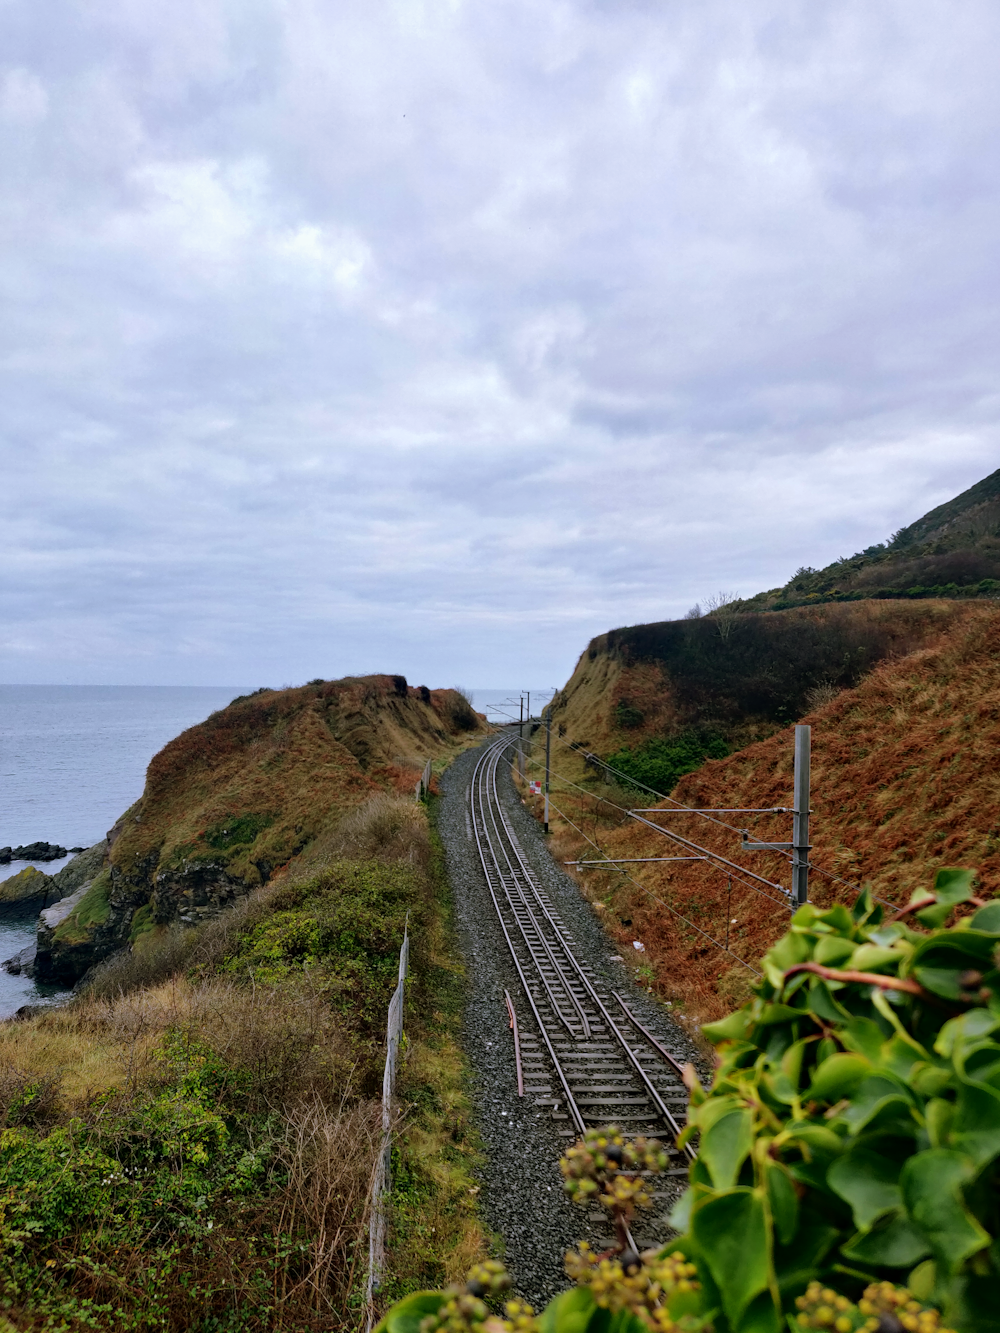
(522, 1196)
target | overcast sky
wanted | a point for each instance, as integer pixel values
(435, 338)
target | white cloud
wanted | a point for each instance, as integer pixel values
(436, 337)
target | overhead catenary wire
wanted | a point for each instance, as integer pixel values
(706, 854)
(650, 894)
(576, 748)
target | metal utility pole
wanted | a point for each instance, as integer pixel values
(800, 847)
(548, 760)
(800, 819)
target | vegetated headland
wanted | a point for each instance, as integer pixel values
(903, 696)
(189, 1143)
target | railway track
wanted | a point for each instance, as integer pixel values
(583, 1054)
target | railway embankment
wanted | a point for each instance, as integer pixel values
(522, 1196)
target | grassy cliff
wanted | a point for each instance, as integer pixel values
(189, 1144)
(231, 801)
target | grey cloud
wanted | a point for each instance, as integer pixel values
(439, 336)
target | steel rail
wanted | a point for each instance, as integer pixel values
(492, 819)
(571, 1105)
(602, 1009)
(520, 925)
(493, 809)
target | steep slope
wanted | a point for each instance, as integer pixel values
(739, 678)
(904, 781)
(229, 801)
(953, 551)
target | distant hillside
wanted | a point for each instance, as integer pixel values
(737, 680)
(954, 551)
(904, 781)
(231, 800)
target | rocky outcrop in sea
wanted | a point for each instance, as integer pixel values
(35, 851)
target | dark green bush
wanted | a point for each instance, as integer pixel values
(660, 764)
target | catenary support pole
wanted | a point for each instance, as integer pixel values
(548, 760)
(800, 821)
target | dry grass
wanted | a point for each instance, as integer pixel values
(384, 828)
(904, 781)
(329, 1154)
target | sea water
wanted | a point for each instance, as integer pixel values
(72, 759)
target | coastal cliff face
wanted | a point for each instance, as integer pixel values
(231, 800)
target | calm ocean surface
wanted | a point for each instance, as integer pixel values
(74, 757)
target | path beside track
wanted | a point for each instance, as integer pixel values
(522, 1195)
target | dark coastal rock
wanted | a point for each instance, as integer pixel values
(35, 851)
(84, 867)
(65, 957)
(28, 885)
(23, 963)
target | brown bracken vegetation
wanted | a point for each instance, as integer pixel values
(903, 777)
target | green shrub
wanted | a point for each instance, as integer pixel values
(853, 1127)
(848, 1157)
(660, 763)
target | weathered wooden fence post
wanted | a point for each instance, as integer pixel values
(382, 1177)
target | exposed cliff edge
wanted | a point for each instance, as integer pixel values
(231, 800)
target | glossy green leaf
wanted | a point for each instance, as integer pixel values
(975, 1129)
(865, 1037)
(838, 918)
(987, 919)
(837, 1077)
(820, 1000)
(832, 950)
(576, 1311)
(893, 1242)
(731, 1235)
(932, 1191)
(405, 1315)
(966, 1029)
(680, 1214)
(953, 885)
(733, 1028)
(877, 958)
(868, 1181)
(760, 1316)
(726, 1146)
(938, 1115)
(875, 1094)
(778, 1013)
(818, 1138)
(784, 1202)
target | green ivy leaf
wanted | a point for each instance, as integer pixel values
(832, 950)
(875, 1094)
(783, 1200)
(987, 919)
(731, 1235)
(869, 1182)
(405, 1315)
(893, 1242)
(975, 1130)
(726, 1146)
(865, 1037)
(932, 1191)
(837, 1077)
(733, 1028)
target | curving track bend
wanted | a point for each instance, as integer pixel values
(584, 1055)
